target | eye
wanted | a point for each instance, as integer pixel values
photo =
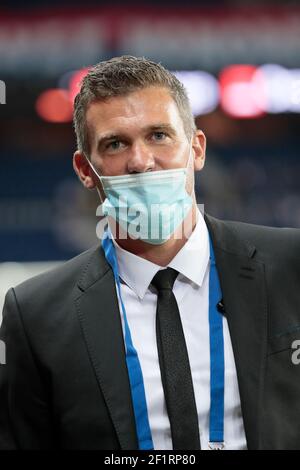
(159, 135)
(114, 145)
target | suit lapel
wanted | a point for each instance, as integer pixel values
(98, 311)
(242, 282)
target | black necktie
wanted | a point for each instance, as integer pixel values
(174, 365)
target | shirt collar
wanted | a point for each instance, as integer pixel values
(138, 272)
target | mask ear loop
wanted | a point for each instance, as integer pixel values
(190, 179)
(189, 174)
(99, 178)
(189, 159)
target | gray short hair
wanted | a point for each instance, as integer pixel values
(120, 76)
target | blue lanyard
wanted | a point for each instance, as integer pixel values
(216, 341)
(133, 364)
(216, 425)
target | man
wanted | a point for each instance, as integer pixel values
(158, 337)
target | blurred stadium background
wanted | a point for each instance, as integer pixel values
(240, 62)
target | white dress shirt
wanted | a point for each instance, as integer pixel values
(191, 289)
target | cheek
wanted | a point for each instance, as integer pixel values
(171, 158)
(113, 166)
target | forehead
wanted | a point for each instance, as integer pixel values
(139, 109)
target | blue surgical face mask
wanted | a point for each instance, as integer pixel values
(148, 206)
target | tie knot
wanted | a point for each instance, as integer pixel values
(164, 279)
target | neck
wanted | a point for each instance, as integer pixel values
(164, 253)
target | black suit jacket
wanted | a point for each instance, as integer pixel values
(65, 382)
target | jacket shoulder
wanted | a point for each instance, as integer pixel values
(55, 281)
(283, 241)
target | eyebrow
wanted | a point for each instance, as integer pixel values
(119, 135)
(106, 138)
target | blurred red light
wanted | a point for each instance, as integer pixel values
(243, 93)
(75, 82)
(54, 105)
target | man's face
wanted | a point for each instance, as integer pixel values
(142, 131)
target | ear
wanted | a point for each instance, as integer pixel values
(199, 147)
(83, 170)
